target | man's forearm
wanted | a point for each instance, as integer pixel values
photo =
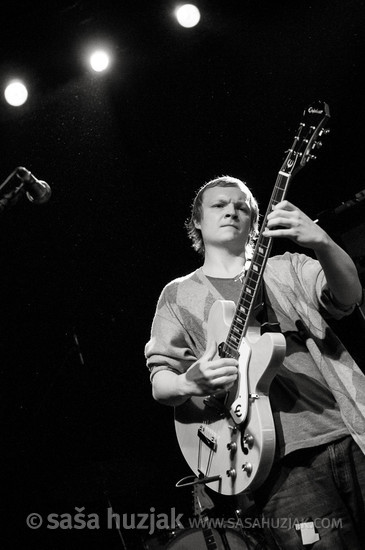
(167, 388)
(340, 272)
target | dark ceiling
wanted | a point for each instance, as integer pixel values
(123, 153)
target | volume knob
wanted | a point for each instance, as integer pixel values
(248, 440)
(232, 447)
(247, 467)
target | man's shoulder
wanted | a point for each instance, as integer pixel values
(291, 267)
(181, 283)
(294, 259)
(186, 291)
(193, 276)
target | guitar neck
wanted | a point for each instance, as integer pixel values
(300, 153)
(208, 534)
(253, 277)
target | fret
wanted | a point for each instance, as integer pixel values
(240, 316)
(280, 188)
(254, 274)
(260, 253)
(252, 279)
(233, 342)
(255, 271)
(251, 283)
(247, 309)
(246, 299)
(257, 257)
(238, 320)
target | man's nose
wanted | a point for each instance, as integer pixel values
(231, 210)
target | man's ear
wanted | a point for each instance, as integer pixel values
(197, 225)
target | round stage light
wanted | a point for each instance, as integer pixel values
(99, 61)
(16, 94)
(188, 15)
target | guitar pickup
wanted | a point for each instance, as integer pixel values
(207, 436)
(225, 350)
(217, 403)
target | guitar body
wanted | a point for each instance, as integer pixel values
(211, 441)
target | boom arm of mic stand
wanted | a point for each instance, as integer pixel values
(11, 197)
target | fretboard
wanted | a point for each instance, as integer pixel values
(253, 277)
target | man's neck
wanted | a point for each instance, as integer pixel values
(222, 264)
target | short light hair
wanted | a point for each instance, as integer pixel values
(197, 209)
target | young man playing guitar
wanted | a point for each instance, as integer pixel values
(315, 491)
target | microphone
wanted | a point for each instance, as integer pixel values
(37, 191)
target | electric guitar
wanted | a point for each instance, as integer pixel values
(228, 439)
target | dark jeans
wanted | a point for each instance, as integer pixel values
(323, 486)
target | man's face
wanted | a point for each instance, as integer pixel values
(226, 218)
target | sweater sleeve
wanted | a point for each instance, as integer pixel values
(313, 281)
(169, 346)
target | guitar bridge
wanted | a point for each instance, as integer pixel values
(207, 436)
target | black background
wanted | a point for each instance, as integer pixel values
(124, 152)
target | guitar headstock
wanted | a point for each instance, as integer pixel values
(311, 128)
(202, 501)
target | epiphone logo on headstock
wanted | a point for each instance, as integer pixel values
(314, 110)
(290, 163)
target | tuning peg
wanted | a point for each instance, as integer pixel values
(317, 144)
(324, 131)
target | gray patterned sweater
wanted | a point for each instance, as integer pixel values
(319, 392)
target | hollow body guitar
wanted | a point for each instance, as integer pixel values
(220, 446)
(228, 439)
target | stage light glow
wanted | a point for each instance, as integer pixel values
(188, 15)
(99, 61)
(16, 93)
